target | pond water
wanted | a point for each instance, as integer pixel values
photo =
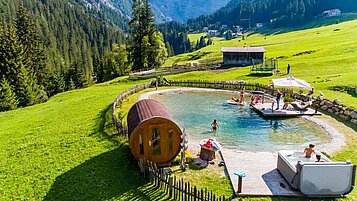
(240, 128)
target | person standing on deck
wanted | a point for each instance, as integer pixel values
(278, 96)
(288, 69)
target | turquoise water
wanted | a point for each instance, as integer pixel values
(239, 127)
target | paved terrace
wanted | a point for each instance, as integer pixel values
(262, 177)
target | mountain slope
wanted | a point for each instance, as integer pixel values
(164, 10)
(182, 10)
(277, 13)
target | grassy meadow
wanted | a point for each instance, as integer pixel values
(323, 56)
(66, 149)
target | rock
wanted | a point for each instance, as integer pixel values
(329, 104)
(347, 112)
(324, 107)
(339, 107)
(330, 110)
(354, 121)
(322, 103)
(354, 115)
(337, 113)
(343, 116)
(336, 109)
(200, 163)
(341, 111)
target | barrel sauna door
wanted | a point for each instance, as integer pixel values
(156, 141)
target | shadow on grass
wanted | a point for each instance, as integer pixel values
(260, 75)
(344, 89)
(103, 177)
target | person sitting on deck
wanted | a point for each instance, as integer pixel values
(252, 100)
(258, 99)
(241, 97)
(309, 150)
(302, 106)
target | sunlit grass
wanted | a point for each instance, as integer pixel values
(332, 61)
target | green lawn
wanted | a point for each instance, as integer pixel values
(64, 149)
(331, 62)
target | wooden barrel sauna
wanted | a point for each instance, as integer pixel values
(153, 134)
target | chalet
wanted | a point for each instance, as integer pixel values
(212, 32)
(331, 13)
(259, 25)
(242, 56)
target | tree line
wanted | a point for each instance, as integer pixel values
(177, 41)
(47, 47)
(276, 13)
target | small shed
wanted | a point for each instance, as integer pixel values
(153, 134)
(242, 56)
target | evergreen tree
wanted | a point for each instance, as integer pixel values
(202, 42)
(8, 99)
(228, 35)
(145, 38)
(33, 51)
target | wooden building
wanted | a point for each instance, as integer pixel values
(242, 56)
(153, 134)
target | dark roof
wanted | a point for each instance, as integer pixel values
(143, 110)
(242, 49)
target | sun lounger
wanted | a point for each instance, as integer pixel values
(297, 106)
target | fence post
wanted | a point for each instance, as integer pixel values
(170, 187)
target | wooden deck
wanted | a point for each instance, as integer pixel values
(262, 177)
(266, 111)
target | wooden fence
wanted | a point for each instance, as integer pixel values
(178, 189)
(173, 70)
(118, 100)
(230, 85)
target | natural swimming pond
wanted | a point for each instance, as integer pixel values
(239, 127)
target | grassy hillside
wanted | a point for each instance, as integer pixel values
(324, 56)
(64, 149)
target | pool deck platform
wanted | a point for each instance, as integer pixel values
(290, 112)
(262, 177)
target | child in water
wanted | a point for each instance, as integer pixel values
(309, 150)
(214, 125)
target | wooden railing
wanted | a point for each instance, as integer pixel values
(230, 85)
(122, 130)
(173, 70)
(178, 189)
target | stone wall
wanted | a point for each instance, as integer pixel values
(339, 110)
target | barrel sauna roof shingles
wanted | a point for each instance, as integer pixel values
(143, 110)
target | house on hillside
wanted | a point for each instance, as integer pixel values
(212, 33)
(242, 56)
(332, 13)
(259, 25)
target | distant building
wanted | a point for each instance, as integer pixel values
(259, 25)
(212, 32)
(331, 13)
(242, 56)
(238, 34)
(224, 26)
